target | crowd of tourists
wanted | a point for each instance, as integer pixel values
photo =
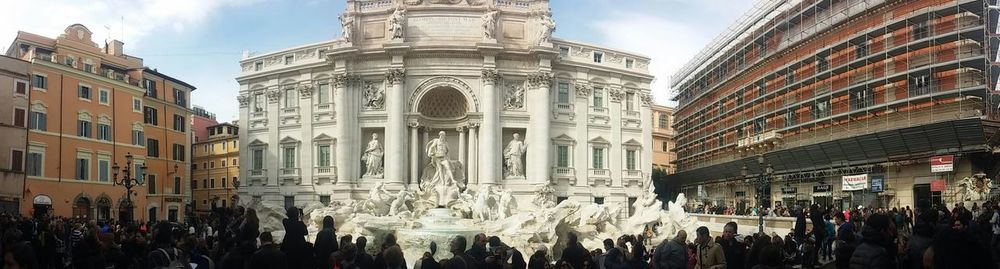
(231, 239)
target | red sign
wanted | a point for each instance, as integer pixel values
(937, 185)
(943, 163)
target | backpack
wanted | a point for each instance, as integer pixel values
(174, 261)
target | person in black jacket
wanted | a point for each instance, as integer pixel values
(574, 254)
(735, 251)
(268, 256)
(877, 249)
(326, 243)
(362, 258)
(478, 252)
(294, 245)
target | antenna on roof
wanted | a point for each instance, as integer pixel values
(123, 28)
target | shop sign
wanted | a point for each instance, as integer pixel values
(937, 185)
(943, 163)
(789, 190)
(878, 184)
(173, 200)
(822, 188)
(855, 182)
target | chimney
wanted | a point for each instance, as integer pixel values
(114, 48)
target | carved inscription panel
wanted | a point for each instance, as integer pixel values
(444, 26)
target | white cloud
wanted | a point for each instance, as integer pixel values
(670, 43)
(107, 18)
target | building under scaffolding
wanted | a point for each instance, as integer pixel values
(833, 90)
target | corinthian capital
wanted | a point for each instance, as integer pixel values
(540, 79)
(340, 80)
(243, 99)
(273, 95)
(395, 75)
(491, 76)
(582, 89)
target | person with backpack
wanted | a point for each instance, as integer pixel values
(165, 255)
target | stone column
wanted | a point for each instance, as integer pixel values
(538, 137)
(306, 162)
(343, 160)
(273, 165)
(413, 153)
(395, 130)
(614, 164)
(473, 167)
(489, 143)
(461, 146)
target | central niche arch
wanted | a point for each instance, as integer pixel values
(443, 102)
(443, 97)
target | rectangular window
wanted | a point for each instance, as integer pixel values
(598, 97)
(33, 166)
(150, 88)
(152, 148)
(204, 184)
(290, 100)
(862, 98)
(289, 201)
(222, 163)
(629, 63)
(233, 163)
(662, 121)
(789, 77)
(194, 184)
(562, 156)
(630, 101)
(791, 118)
(138, 138)
(598, 158)
(103, 170)
(179, 123)
(177, 185)
(179, 98)
(136, 104)
(223, 181)
(211, 164)
(70, 61)
(103, 96)
(88, 67)
(258, 66)
(82, 168)
(323, 94)
(16, 160)
(19, 117)
(563, 52)
(258, 102)
(151, 184)
(289, 158)
(211, 182)
(562, 96)
(104, 132)
(821, 109)
(630, 159)
(20, 87)
(599, 200)
(920, 85)
(289, 59)
(598, 57)
(324, 156)
(920, 30)
(149, 116)
(41, 82)
(258, 159)
(38, 121)
(179, 152)
(83, 92)
(664, 146)
(861, 49)
(83, 129)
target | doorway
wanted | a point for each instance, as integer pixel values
(924, 197)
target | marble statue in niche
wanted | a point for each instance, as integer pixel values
(546, 27)
(374, 96)
(373, 158)
(490, 24)
(513, 157)
(397, 23)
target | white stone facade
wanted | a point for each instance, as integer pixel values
(412, 69)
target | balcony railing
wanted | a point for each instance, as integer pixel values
(258, 115)
(632, 173)
(600, 172)
(290, 111)
(632, 114)
(258, 172)
(325, 170)
(289, 171)
(563, 171)
(324, 107)
(597, 109)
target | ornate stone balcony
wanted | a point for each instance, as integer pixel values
(257, 172)
(288, 172)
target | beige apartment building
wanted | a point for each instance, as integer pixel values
(215, 168)
(663, 138)
(13, 128)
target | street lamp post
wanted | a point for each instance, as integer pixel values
(129, 181)
(761, 181)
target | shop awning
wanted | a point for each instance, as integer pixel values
(42, 200)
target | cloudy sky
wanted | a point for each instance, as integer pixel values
(200, 41)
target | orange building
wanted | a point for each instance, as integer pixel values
(89, 107)
(663, 138)
(215, 168)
